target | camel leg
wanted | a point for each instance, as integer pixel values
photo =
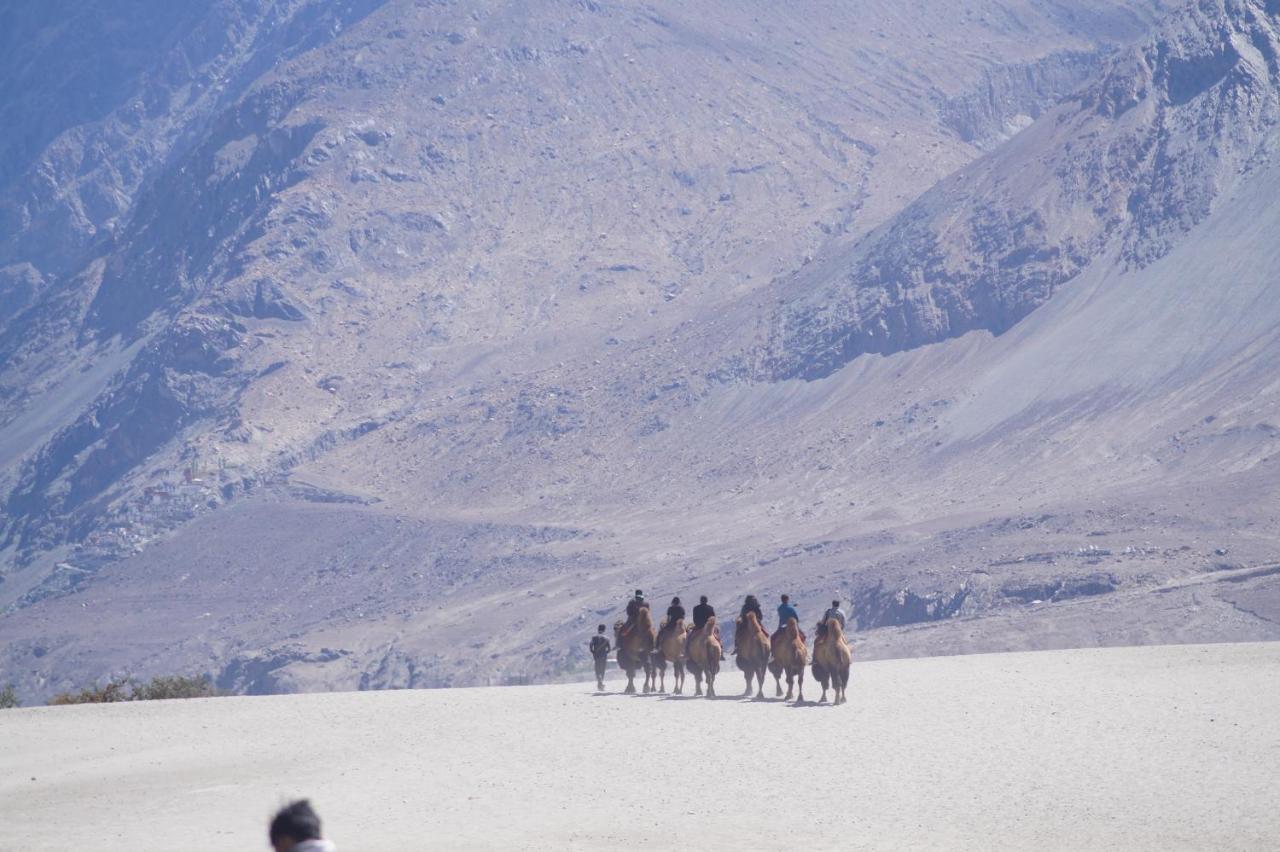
(800, 697)
(760, 682)
(711, 685)
(777, 679)
(697, 680)
(791, 685)
(631, 682)
(679, 687)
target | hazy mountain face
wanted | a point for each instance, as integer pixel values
(334, 333)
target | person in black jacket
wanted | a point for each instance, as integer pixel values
(600, 651)
(752, 605)
(674, 613)
(702, 612)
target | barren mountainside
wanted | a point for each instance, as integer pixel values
(331, 333)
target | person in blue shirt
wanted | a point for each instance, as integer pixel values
(786, 612)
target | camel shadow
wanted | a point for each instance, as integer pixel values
(607, 694)
(812, 704)
(700, 698)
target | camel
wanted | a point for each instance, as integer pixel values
(704, 657)
(671, 650)
(635, 650)
(831, 658)
(752, 648)
(790, 656)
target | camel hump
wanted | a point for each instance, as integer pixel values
(711, 622)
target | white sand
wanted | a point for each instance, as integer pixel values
(1154, 748)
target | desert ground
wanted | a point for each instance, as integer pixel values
(1170, 747)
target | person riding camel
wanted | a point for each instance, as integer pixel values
(701, 614)
(675, 612)
(786, 612)
(750, 604)
(833, 612)
(633, 610)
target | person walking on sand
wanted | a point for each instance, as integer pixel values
(600, 651)
(296, 828)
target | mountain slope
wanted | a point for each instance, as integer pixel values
(454, 355)
(340, 212)
(1141, 155)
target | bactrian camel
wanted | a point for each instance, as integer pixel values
(751, 645)
(635, 649)
(704, 657)
(831, 658)
(790, 657)
(670, 650)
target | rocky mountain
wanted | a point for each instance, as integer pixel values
(1142, 154)
(415, 332)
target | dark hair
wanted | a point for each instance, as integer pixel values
(297, 821)
(703, 599)
(785, 598)
(599, 628)
(675, 601)
(836, 604)
(639, 593)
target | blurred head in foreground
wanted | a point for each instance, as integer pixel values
(296, 828)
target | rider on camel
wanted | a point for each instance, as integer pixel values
(786, 612)
(752, 605)
(633, 610)
(701, 614)
(675, 612)
(833, 612)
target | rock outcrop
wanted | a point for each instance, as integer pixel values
(1122, 168)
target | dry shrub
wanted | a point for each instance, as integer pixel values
(127, 689)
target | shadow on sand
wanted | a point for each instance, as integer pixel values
(738, 697)
(811, 704)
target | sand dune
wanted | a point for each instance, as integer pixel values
(1134, 748)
